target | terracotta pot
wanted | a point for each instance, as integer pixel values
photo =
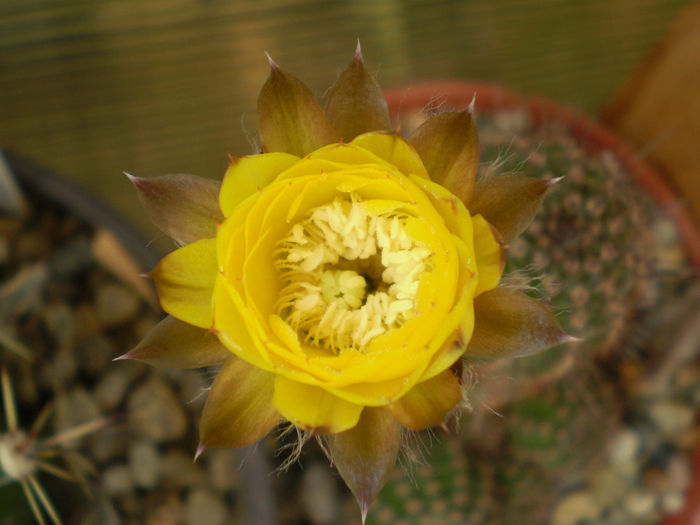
(593, 137)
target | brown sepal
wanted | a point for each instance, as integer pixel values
(185, 207)
(448, 143)
(366, 454)
(508, 323)
(291, 121)
(509, 201)
(428, 403)
(239, 409)
(356, 103)
(175, 344)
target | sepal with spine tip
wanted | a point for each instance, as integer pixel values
(184, 207)
(508, 323)
(238, 410)
(174, 344)
(448, 143)
(356, 103)
(509, 201)
(366, 454)
(291, 121)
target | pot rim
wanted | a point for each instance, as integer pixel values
(593, 137)
(84, 205)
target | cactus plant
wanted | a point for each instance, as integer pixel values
(23, 454)
(595, 250)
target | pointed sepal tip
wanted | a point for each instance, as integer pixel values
(567, 338)
(138, 182)
(554, 181)
(358, 51)
(364, 510)
(472, 104)
(273, 64)
(200, 450)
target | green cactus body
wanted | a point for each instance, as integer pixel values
(447, 487)
(589, 248)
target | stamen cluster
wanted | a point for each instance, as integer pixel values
(349, 274)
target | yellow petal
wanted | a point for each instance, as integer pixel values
(185, 207)
(313, 165)
(260, 277)
(174, 344)
(396, 357)
(313, 408)
(428, 403)
(366, 454)
(249, 174)
(356, 103)
(286, 334)
(393, 149)
(235, 327)
(460, 320)
(239, 409)
(377, 393)
(448, 143)
(185, 281)
(229, 240)
(489, 252)
(336, 157)
(449, 206)
(290, 118)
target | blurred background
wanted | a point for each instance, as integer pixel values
(599, 433)
(93, 88)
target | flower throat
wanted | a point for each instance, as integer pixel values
(349, 275)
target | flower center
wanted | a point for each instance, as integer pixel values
(349, 274)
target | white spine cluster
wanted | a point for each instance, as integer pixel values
(14, 459)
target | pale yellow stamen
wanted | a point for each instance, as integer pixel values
(346, 287)
(349, 275)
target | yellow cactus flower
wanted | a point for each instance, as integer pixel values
(341, 275)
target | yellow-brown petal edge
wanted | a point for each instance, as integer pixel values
(428, 403)
(366, 454)
(239, 409)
